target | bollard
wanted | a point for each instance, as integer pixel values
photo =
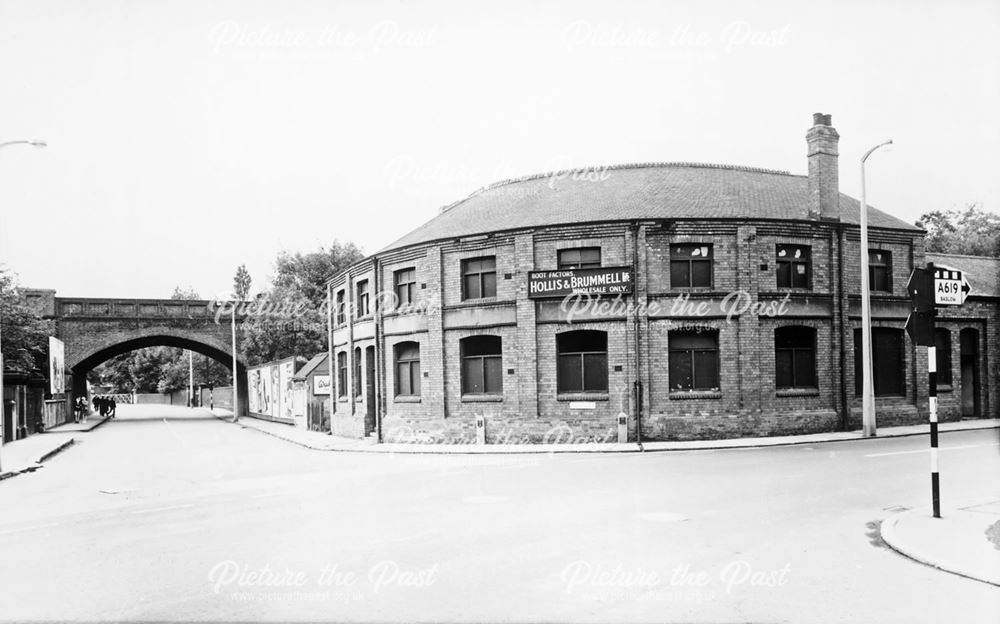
(622, 427)
(480, 429)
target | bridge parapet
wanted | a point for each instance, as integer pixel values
(97, 308)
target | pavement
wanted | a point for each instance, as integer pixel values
(963, 541)
(325, 442)
(28, 454)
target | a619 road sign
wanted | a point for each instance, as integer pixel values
(950, 286)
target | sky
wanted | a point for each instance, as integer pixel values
(188, 137)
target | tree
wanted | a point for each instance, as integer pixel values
(23, 333)
(296, 324)
(241, 283)
(185, 293)
(972, 231)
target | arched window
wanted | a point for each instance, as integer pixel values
(342, 374)
(795, 357)
(942, 344)
(357, 371)
(482, 365)
(407, 357)
(888, 364)
(583, 361)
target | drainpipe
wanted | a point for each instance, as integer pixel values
(638, 339)
(845, 407)
(329, 349)
(376, 300)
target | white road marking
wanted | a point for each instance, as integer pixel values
(29, 528)
(155, 509)
(924, 450)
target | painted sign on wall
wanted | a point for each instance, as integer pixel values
(321, 384)
(599, 281)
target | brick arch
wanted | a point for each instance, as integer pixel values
(82, 359)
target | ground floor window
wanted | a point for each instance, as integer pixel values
(482, 365)
(888, 363)
(342, 374)
(583, 361)
(795, 357)
(407, 356)
(357, 371)
(694, 360)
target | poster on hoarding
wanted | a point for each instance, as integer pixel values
(57, 366)
(253, 384)
(286, 370)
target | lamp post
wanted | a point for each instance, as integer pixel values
(2, 401)
(236, 391)
(867, 394)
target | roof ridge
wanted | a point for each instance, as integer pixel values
(955, 255)
(636, 165)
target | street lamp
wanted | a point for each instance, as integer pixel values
(236, 390)
(867, 395)
(2, 401)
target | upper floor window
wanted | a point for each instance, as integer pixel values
(583, 361)
(361, 303)
(693, 360)
(942, 351)
(407, 356)
(879, 270)
(482, 365)
(795, 357)
(794, 266)
(580, 258)
(405, 281)
(340, 307)
(691, 265)
(479, 277)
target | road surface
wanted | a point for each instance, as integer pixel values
(168, 513)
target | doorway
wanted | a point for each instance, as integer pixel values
(969, 339)
(369, 390)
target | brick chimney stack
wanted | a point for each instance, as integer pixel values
(824, 183)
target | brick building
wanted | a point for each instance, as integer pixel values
(729, 306)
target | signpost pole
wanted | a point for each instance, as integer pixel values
(932, 380)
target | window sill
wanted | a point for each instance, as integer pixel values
(945, 388)
(582, 396)
(342, 399)
(406, 398)
(797, 392)
(477, 300)
(690, 395)
(482, 398)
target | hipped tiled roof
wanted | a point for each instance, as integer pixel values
(639, 191)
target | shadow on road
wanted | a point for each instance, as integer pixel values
(149, 413)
